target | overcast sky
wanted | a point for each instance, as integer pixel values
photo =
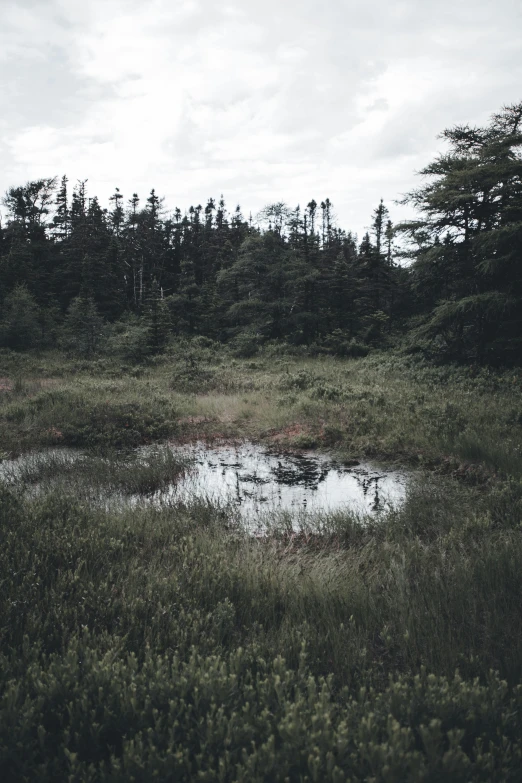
(266, 101)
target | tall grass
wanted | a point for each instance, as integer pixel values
(103, 473)
(161, 642)
(379, 406)
(91, 588)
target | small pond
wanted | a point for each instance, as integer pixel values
(259, 481)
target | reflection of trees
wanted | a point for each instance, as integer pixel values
(300, 471)
(257, 477)
(367, 482)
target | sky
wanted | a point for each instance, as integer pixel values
(259, 101)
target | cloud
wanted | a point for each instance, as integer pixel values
(261, 101)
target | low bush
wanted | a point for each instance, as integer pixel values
(129, 339)
(163, 643)
(92, 413)
(92, 714)
(340, 344)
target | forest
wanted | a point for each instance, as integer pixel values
(152, 629)
(80, 275)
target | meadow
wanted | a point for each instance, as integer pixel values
(165, 643)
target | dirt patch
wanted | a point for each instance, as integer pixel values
(289, 433)
(194, 420)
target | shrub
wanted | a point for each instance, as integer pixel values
(341, 344)
(300, 380)
(246, 344)
(130, 340)
(91, 714)
(83, 328)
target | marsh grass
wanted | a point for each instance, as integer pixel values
(162, 595)
(343, 582)
(161, 641)
(501, 453)
(130, 472)
(379, 406)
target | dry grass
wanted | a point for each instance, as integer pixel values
(380, 407)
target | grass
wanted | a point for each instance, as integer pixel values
(89, 596)
(163, 642)
(379, 406)
(128, 472)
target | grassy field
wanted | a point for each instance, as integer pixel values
(166, 644)
(381, 406)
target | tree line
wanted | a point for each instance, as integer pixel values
(78, 274)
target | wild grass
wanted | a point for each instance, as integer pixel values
(94, 601)
(380, 406)
(161, 641)
(129, 472)
(386, 575)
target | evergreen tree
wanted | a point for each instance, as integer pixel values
(28, 259)
(474, 201)
(30, 204)
(61, 220)
(157, 318)
(296, 275)
(117, 214)
(19, 325)
(83, 327)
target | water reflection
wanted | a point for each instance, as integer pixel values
(257, 482)
(256, 479)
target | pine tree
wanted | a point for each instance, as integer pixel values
(83, 327)
(157, 318)
(30, 204)
(474, 200)
(61, 220)
(117, 214)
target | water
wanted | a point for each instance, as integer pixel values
(257, 484)
(260, 482)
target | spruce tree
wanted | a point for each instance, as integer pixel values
(61, 220)
(157, 319)
(83, 328)
(473, 202)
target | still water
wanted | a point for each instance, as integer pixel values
(258, 481)
(257, 484)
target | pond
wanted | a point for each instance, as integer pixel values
(257, 484)
(258, 481)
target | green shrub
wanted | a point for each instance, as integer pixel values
(83, 328)
(94, 417)
(300, 380)
(93, 714)
(339, 343)
(246, 344)
(129, 339)
(192, 378)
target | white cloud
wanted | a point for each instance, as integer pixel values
(261, 101)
